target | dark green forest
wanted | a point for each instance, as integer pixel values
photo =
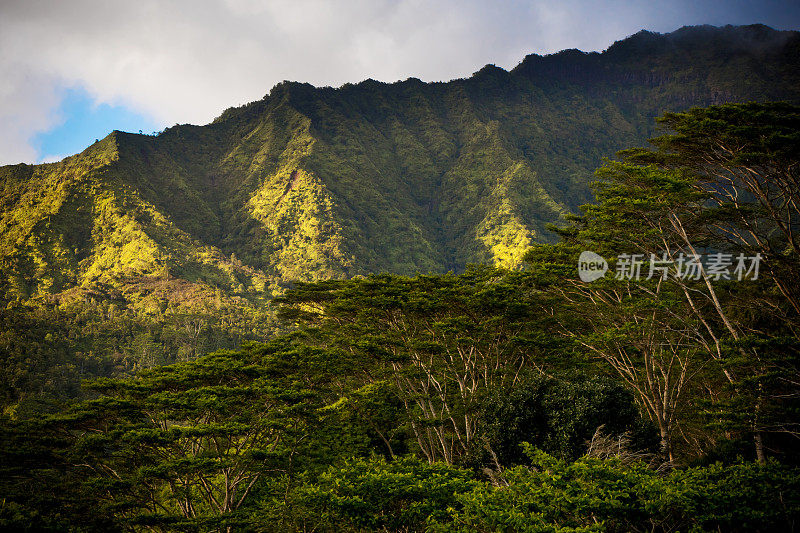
(360, 309)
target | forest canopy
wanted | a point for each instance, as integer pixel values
(494, 399)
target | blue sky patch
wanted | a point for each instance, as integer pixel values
(84, 121)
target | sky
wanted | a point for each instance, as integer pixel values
(73, 71)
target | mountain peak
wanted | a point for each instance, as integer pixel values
(310, 183)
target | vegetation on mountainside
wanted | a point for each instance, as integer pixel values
(495, 399)
(126, 240)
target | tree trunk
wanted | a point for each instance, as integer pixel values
(758, 435)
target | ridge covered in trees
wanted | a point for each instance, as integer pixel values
(494, 399)
(146, 250)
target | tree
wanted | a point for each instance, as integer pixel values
(744, 161)
(722, 184)
(442, 342)
(559, 416)
(188, 443)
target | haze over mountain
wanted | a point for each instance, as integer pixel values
(312, 183)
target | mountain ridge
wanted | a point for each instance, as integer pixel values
(313, 183)
(185, 170)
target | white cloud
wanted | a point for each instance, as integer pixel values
(28, 104)
(186, 61)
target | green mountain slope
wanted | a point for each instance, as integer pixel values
(312, 183)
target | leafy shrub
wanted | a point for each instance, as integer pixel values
(559, 417)
(605, 495)
(371, 495)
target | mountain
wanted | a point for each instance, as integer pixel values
(202, 225)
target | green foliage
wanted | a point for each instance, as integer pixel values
(39, 491)
(370, 495)
(559, 417)
(442, 343)
(549, 495)
(47, 349)
(594, 495)
(185, 445)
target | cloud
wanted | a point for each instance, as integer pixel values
(186, 61)
(28, 104)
